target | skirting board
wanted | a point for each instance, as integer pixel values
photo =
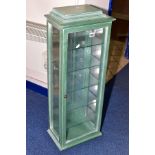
(36, 88)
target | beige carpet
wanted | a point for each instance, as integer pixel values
(116, 61)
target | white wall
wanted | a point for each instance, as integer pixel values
(36, 9)
(100, 3)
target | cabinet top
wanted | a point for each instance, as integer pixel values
(79, 13)
(68, 12)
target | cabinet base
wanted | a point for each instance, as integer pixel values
(73, 142)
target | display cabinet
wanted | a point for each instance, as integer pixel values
(77, 45)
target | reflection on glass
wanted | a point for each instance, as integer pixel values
(55, 66)
(83, 69)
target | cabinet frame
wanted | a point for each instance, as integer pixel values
(63, 49)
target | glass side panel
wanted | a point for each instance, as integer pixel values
(83, 68)
(55, 81)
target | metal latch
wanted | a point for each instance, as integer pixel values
(65, 96)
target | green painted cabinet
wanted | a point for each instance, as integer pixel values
(77, 44)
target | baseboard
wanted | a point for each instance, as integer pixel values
(36, 88)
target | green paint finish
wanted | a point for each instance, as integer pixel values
(79, 11)
(84, 36)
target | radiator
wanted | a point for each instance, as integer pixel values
(36, 53)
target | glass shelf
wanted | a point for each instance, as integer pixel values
(82, 79)
(76, 117)
(84, 58)
(79, 117)
(78, 48)
(81, 98)
(81, 111)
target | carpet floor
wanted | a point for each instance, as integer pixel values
(115, 123)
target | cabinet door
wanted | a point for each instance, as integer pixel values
(84, 54)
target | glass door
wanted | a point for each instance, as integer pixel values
(83, 70)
